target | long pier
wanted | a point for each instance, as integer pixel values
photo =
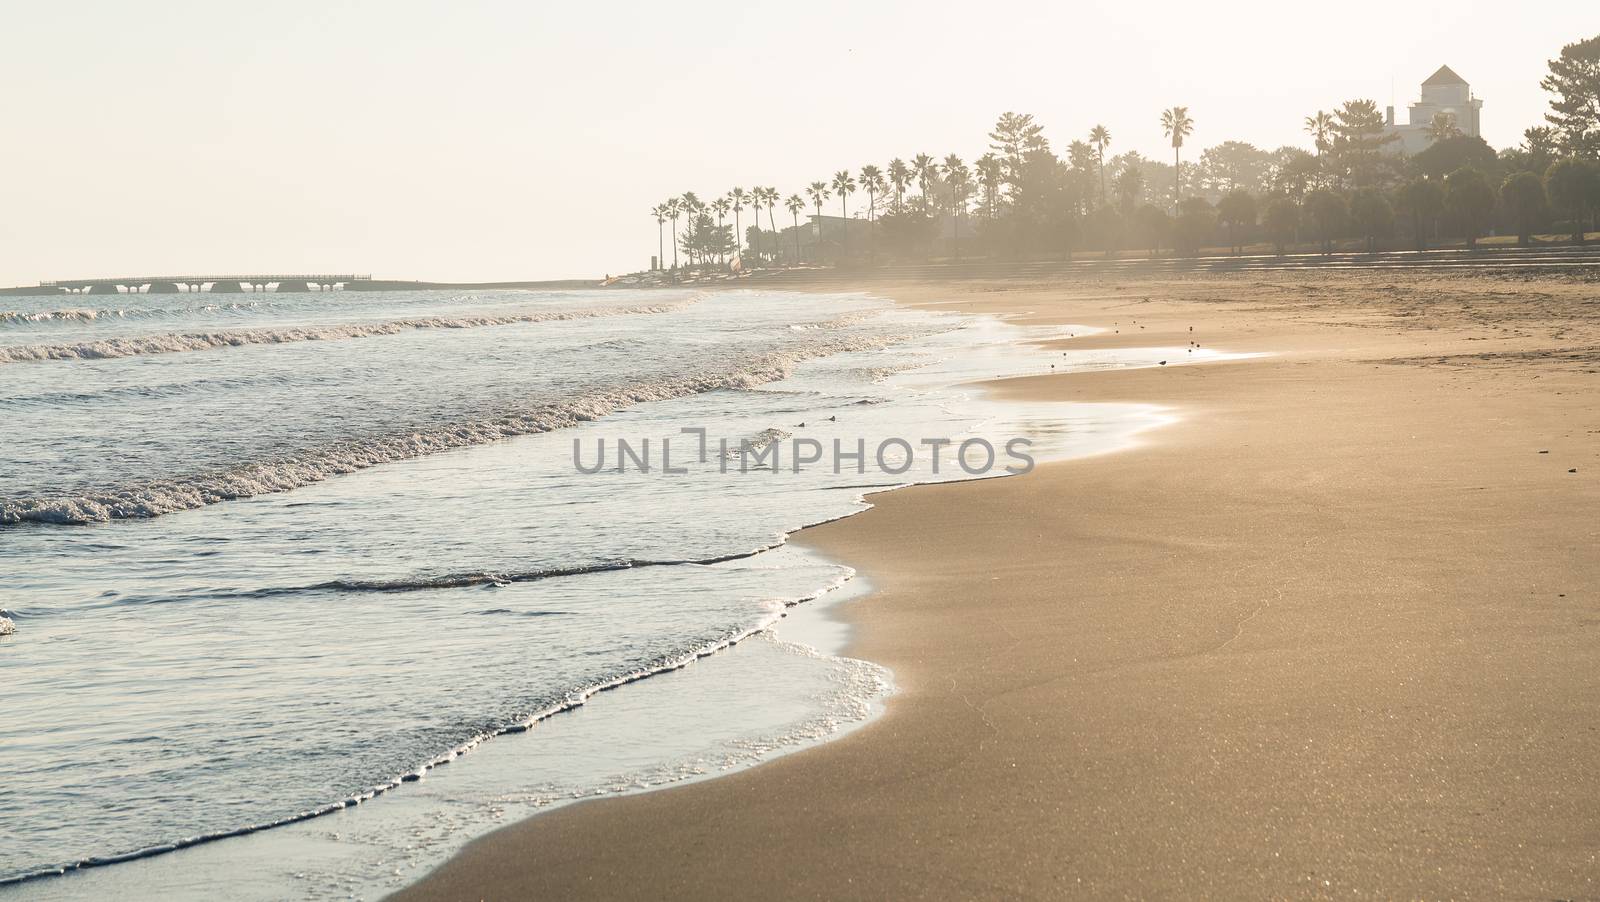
(208, 284)
(294, 282)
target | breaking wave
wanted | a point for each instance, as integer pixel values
(205, 341)
(166, 496)
(87, 315)
(45, 316)
(572, 699)
(484, 579)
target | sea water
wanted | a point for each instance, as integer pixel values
(270, 560)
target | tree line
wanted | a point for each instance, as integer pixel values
(1022, 198)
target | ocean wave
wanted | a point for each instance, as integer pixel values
(185, 388)
(165, 496)
(205, 341)
(570, 701)
(85, 314)
(188, 387)
(483, 578)
(45, 316)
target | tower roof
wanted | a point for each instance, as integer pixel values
(1445, 76)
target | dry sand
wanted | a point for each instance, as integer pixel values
(1336, 633)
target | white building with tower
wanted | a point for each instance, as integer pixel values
(1443, 92)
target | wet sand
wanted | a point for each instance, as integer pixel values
(1335, 633)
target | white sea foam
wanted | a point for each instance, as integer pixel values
(757, 442)
(44, 316)
(461, 535)
(164, 496)
(205, 341)
(85, 314)
(6, 626)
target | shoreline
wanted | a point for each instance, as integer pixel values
(1272, 652)
(980, 360)
(814, 607)
(187, 871)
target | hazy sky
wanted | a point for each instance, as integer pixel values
(479, 140)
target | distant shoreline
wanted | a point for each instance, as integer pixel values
(1550, 255)
(356, 285)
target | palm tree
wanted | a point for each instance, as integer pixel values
(872, 182)
(795, 205)
(754, 199)
(720, 205)
(900, 177)
(844, 186)
(757, 199)
(738, 197)
(1320, 128)
(1442, 126)
(659, 211)
(1080, 157)
(1099, 137)
(1177, 125)
(673, 208)
(960, 180)
(924, 167)
(692, 206)
(989, 176)
(819, 193)
(769, 196)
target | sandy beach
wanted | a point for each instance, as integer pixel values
(1333, 633)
